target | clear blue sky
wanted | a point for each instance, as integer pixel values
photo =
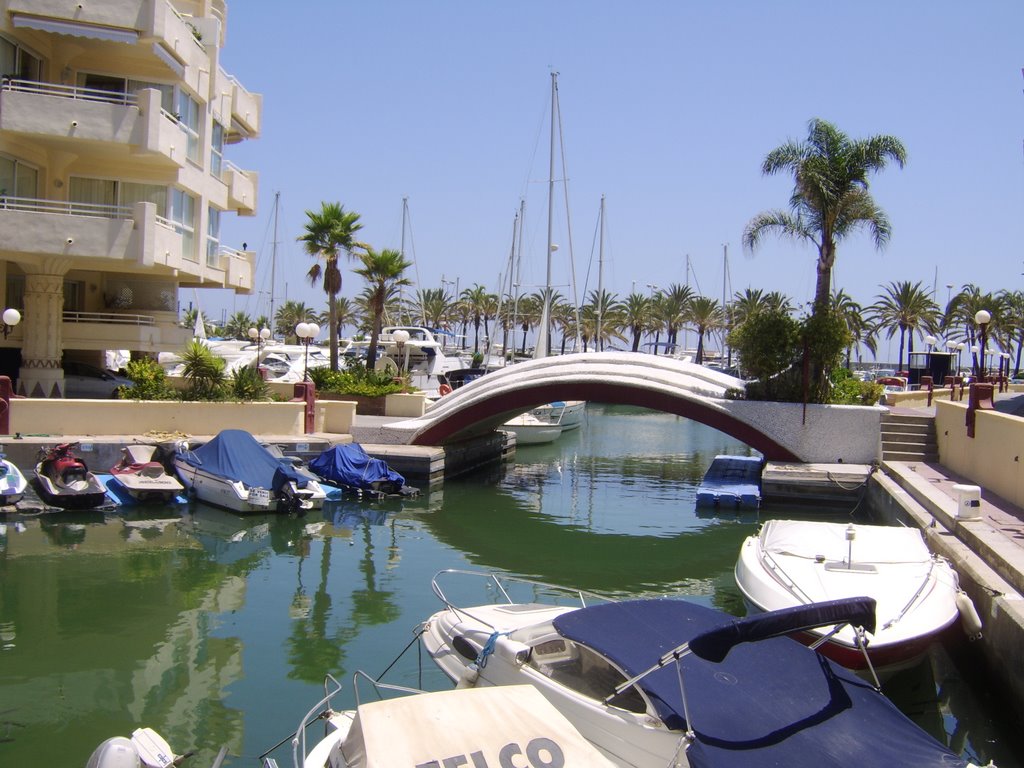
(668, 109)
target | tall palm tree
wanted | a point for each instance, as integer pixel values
(704, 315)
(238, 325)
(383, 272)
(475, 299)
(675, 301)
(1012, 321)
(527, 314)
(433, 304)
(830, 199)
(605, 306)
(905, 307)
(330, 232)
(637, 317)
(857, 323)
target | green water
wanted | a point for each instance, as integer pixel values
(216, 629)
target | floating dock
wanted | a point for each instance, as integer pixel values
(731, 481)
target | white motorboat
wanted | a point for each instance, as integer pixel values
(12, 482)
(235, 472)
(144, 478)
(529, 430)
(668, 682)
(568, 414)
(508, 726)
(793, 562)
(420, 356)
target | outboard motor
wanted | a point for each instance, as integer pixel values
(116, 752)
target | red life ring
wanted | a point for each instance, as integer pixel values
(444, 389)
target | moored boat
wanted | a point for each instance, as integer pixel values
(507, 726)
(351, 468)
(568, 414)
(64, 479)
(235, 472)
(795, 562)
(12, 482)
(143, 478)
(668, 682)
(529, 430)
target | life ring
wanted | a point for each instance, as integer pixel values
(444, 389)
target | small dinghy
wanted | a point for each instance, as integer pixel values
(350, 467)
(529, 430)
(12, 482)
(65, 480)
(143, 478)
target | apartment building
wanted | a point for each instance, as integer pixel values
(116, 123)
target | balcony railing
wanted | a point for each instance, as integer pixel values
(108, 318)
(65, 208)
(69, 92)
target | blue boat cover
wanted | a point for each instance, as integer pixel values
(351, 466)
(770, 703)
(237, 455)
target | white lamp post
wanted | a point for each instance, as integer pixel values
(11, 318)
(400, 336)
(306, 333)
(260, 337)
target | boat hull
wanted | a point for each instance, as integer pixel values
(532, 431)
(236, 496)
(12, 483)
(86, 495)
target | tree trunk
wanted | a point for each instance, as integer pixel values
(332, 324)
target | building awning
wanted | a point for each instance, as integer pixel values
(99, 32)
(172, 63)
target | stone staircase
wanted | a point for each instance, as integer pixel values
(909, 437)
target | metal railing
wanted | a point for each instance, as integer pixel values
(108, 318)
(65, 208)
(69, 92)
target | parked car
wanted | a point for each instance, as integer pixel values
(84, 380)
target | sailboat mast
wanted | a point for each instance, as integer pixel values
(543, 338)
(600, 280)
(273, 258)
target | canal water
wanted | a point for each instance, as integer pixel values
(216, 629)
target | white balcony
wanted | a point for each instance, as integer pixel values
(246, 109)
(61, 116)
(155, 332)
(242, 189)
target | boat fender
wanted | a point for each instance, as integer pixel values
(468, 677)
(969, 618)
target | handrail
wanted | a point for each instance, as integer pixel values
(69, 92)
(324, 705)
(109, 318)
(65, 207)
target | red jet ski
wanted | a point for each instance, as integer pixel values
(65, 480)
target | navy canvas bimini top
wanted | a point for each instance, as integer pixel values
(769, 703)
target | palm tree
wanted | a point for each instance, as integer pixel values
(433, 305)
(857, 323)
(830, 199)
(344, 314)
(1012, 321)
(475, 299)
(904, 307)
(384, 275)
(329, 233)
(606, 306)
(289, 315)
(637, 317)
(528, 314)
(674, 304)
(238, 325)
(704, 315)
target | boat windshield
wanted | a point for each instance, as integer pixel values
(583, 670)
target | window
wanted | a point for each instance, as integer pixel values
(217, 149)
(213, 239)
(183, 216)
(19, 64)
(581, 669)
(119, 193)
(116, 84)
(18, 179)
(188, 120)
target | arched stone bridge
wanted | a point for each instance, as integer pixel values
(780, 431)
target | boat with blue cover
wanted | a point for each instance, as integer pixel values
(350, 467)
(669, 682)
(234, 471)
(732, 481)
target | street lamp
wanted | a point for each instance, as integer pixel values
(959, 351)
(306, 333)
(11, 318)
(259, 336)
(400, 336)
(930, 341)
(981, 319)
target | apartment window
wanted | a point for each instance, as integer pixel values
(18, 179)
(188, 120)
(123, 85)
(213, 239)
(217, 149)
(17, 63)
(116, 193)
(183, 216)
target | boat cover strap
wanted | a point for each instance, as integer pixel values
(714, 645)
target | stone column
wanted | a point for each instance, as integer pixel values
(41, 374)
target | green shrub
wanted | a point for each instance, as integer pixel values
(204, 372)
(150, 381)
(356, 379)
(849, 390)
(247, 385)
